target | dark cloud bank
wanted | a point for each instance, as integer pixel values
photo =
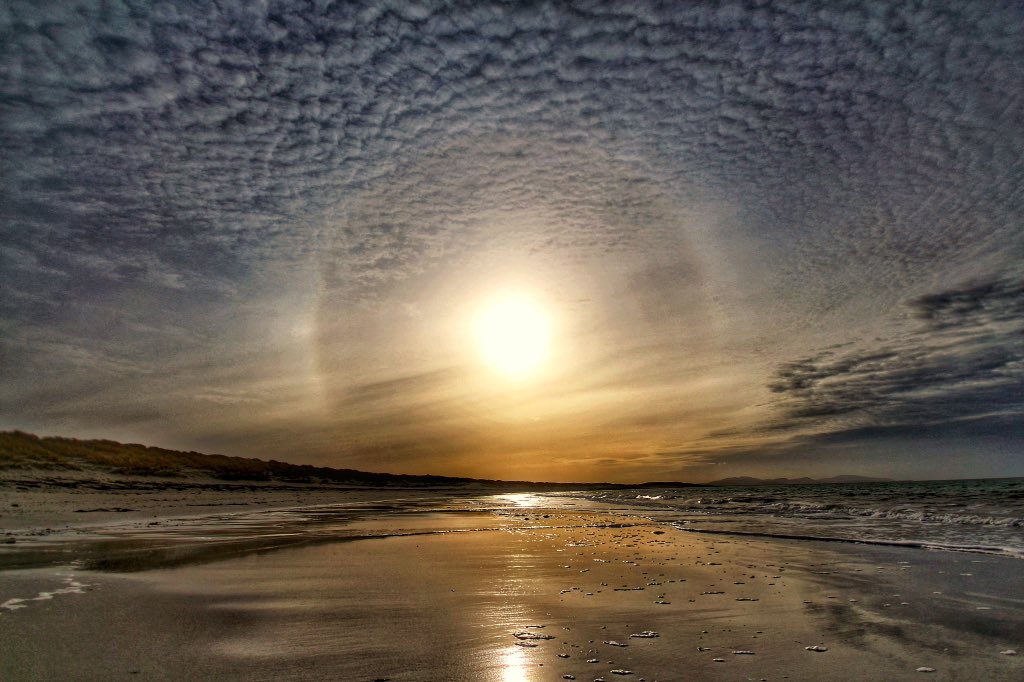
(960, 370)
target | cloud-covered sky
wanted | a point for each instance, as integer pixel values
(771, 238)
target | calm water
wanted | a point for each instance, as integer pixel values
(974, 515)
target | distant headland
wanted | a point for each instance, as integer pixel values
(747, 480)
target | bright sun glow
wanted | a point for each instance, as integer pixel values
(513, 335)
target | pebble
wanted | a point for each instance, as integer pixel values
(925, 669)
(612, 642)
(646, 634)
(563, 655)
(622, 671)
(816, 648)
(718, 660)
(568, 677)
(1008, 652)
(743, 652)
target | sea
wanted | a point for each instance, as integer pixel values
(982, 515)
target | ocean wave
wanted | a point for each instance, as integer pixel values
(961, 513)
(1017, 553)
(974, 516)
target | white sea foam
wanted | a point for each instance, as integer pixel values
(531, 635)
(71, 586)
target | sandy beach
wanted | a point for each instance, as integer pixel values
(417, 585)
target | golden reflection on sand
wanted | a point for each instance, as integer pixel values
(514, 664)
(523, 500)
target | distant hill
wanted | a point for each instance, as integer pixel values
(28, 453)
(747, 480)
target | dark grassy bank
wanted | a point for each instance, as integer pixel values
(25, 451)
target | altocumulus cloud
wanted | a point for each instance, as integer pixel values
(179, 179)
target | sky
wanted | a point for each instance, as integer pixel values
(750, 238)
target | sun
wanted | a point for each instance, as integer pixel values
(513, 333)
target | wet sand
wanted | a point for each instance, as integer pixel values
(494, 591)
(39, 504)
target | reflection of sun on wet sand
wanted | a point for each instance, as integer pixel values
(546, 591)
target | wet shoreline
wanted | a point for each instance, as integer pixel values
(445, 586)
